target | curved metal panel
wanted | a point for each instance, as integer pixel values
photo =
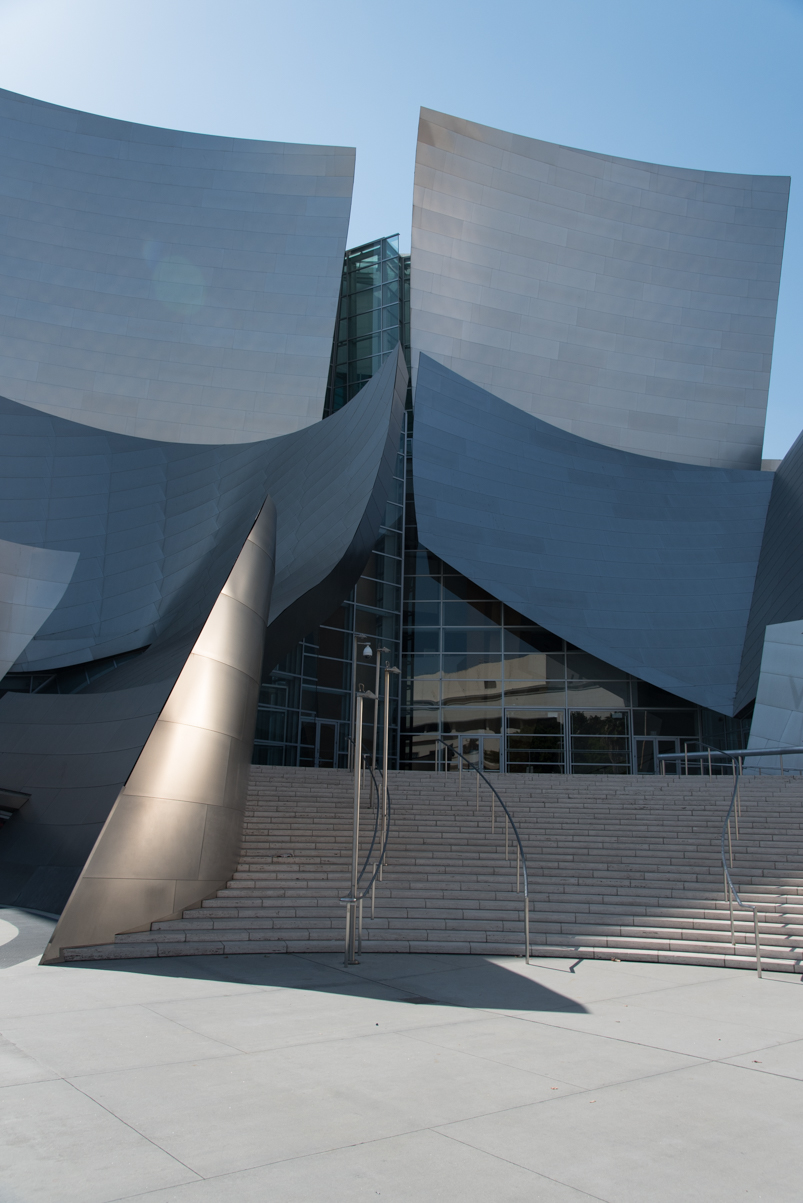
(74, 753)
(157, 525)
(167, 284)
(778, 595)
(333, 522)
(32, 583)
(173, 834)
(778, 715)
(648, 565)
(627, 302)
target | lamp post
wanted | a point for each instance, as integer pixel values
(376, 706)
(367, 651)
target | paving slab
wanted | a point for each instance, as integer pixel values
(230, 1080)
(113, 1038)
(571, 1058)
(414, 1168)
(295, 1101)
(706, 1134)
(267, 1019)
(58, 1146)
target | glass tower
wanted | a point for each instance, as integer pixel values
(305, 703)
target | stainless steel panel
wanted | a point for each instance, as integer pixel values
(193, 304)
(528, 257)
(158, 825)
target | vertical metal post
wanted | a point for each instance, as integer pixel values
(686, 757)
(359, 926)
(493, 813)
(526, 929)
(758, 944)
(478, 794)
(459, 768)
(729, 897)
(730, 845)
(351, 907)
(710, 770)
(379, 650)
(518, 866)
(385, 759)
(507, 853)
(373, 889)
(353, 697)
(781, 760)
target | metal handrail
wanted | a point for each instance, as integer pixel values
(520, 847)
(359, 898)
(731, 893)
(373, 839)
(736, 756)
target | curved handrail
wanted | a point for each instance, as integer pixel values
(731, 893)
(736, 756)
(376, 826)
(526, 891)
(381, 859)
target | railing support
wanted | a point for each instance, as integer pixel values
(351, 905)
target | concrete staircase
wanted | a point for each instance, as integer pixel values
(619, 867)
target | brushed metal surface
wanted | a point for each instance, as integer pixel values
(33, 581)
(648, 565)
(190, 510)
(192, 762)
(778, 594)
(165, 284)
(630, 303)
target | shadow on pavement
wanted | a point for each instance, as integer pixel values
(32, 934)
(413, 978)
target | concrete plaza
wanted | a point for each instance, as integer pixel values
(408, 1078)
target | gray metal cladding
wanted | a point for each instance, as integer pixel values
(157, 527)
(778, 596)
(627, 302)
(32, 583)
(778, 715)
(646, 564)
(328, 528)
(166, 284)
(73, 753)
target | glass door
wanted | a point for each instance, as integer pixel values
(325, 744)
(481, 751)
(649, 749)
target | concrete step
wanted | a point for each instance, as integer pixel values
(618, 867)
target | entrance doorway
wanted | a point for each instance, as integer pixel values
(320, 743)
(481, 751)
(648, 750)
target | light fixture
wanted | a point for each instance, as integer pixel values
(368, 650)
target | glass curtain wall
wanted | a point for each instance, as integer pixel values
(370, 319)
(505, 692)
(514, 697)
(305, 703)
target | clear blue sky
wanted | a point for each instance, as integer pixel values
(716, 84)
